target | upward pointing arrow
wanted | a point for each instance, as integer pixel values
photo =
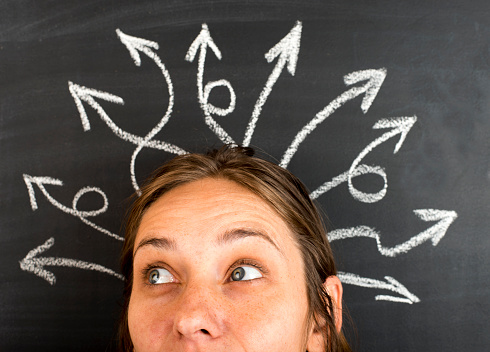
(287, 50)
(202, 41)
(399, 126)
(374, 78)
(34, 264)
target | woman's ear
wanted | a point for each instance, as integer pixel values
(334, 290)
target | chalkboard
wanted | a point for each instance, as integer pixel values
(380, 107)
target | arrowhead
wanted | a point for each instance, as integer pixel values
(30, 264)
(400, 125)
(287, 48)
(202, 40)
(135, 44)
(402, 289)
(375, 79)
(80, 93)
(445, 218)
(40, 181)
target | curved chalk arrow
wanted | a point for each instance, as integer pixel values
(134, 46)
(434, 233)
(287, 50)
(40, 181)
(374, 79)
(202, 42)
(390, 284)
(34, 264)
(399, 125)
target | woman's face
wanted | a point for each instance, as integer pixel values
(216, 269)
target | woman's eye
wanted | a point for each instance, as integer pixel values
(159, 276)
(245, 273)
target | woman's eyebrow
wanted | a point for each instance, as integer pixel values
(240, 233)
(227, 237)
(158, 242)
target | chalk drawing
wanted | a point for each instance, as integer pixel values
(34, 264)
(134, 46)
(81, 93)
(40, 181)
(399, 125)
(434, 233)
(287, 50)
(390, 284)
(374, 80)
(202, 42)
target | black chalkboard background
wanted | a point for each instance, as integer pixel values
(436, 56)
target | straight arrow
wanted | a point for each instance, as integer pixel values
(374, 80)
(390, 284)
(34, 264)
(287, 50)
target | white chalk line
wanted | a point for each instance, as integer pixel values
(361, 169)
(81, 93)
(36, 265)
(390, 284)
(40, 181)
(288, 51)
(135, 44)
(375, 79)
(399, 125)
(202, 42)
(435, 233)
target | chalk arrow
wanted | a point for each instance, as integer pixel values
(287, 50)
(370, 89)
(201, 43)
(435, 233)
(134, 45)
(81, 93)
(34, 264)
(390, 284)
(40, 181)
(399, 126)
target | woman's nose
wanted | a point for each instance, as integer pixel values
(199, 314)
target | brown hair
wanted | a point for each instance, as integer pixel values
(276, 186)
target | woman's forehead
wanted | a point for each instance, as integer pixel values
(210, 208)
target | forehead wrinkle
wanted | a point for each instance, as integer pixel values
(157, 242)
(241, 233)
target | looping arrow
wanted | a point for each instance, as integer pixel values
(34, 264)
(287, 50)
(202, 42)
(40, 181)
(390, 284)
(399, 125)
(434, 233)
(375, 79)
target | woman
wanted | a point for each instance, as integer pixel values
(226, 252)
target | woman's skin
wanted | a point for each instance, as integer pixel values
(216, 269)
